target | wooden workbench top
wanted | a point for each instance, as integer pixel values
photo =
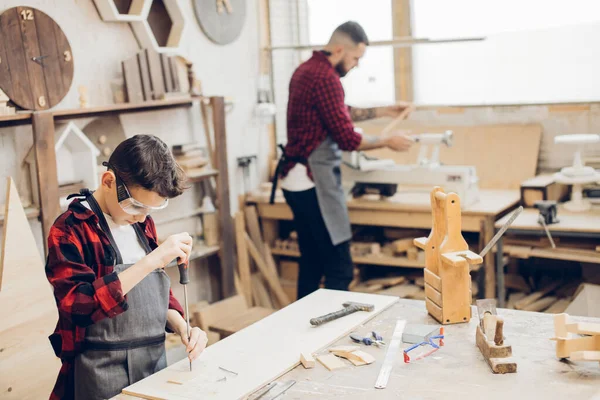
(457, 371)
(588, 221)
(491, 203)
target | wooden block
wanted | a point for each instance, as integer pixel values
(133, 80)
(498, 357)
(541, 304)
(288, 270)
(402, 245)
(364, 356)
(307, 360)
(542, 187)
(145, 75)
(432, 279)
(156, 75)
(343, 349)
(456, 295)
(585, 356)
(565, 347)
(559, 307)
(331, 362)
(433, 295)
(584, 328)
(434, 310)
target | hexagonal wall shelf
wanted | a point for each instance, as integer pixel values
(123, 10)
(163, 28)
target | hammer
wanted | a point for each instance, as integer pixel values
(349, 308)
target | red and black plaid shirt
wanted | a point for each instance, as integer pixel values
(80, 269)
(316, 109)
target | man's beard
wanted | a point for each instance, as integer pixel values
(339, 68)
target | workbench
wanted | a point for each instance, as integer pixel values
(457, 370)
(407, 210)
(575, 225)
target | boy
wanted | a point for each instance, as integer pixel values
(113, 296)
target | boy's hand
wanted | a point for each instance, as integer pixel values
(197, 343)
(176, 246)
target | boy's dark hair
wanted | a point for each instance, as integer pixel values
(354, 31)
(147, 162)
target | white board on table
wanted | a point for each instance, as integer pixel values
(261, 352)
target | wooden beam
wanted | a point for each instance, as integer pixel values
(243, 260)
(401, 25)
(227, 248)
(266, 67)
(45, 167)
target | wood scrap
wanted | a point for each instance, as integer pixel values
(541, 304)
(402, 245)
(253, 227)
(386, 282)
(363, 288)
(412, 253)
(307, 360)
(402, 291)
(331, 362)
(517, 282)
(420, 281)
(259, 292)
(343, 349)
(533, 297)
(559, 307)
(513, 298)
(280, 295)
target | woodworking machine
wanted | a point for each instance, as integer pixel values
(364, 173)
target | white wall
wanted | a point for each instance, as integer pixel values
(98, 49)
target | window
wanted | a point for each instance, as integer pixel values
(536, 51)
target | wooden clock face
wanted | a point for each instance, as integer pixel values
(36, 62)
(221, 20)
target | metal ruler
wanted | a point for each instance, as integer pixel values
(272, 391)
(390, 355)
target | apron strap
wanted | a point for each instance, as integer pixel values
(103, 224)
(280, 165)
(142, 237)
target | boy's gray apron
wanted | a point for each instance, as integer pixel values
(325, 163)
(122, 350)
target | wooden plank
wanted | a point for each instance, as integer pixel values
(541, 304)
(583, 328)
(174, 74)
(403, 291)
(28, 312)
(6, 84)
(66, 65)
(307, 360)
(48, 46)
(433, 280)
(433, 295)
(156, 75)
(45, 160)
(133, 80)
(559, 307)
(240, 320)
(489, 263)
(585, 356)
(259, 292)
(242, 256)
(253, 228)
(331, 362)
(223, 197)
(467, 142)
(35, 71)
(272, 279)
(167, 75)
(208, 315)
(294, 336)
(535, 296)
(145, 75)
(401, 25)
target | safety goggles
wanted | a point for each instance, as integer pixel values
(130, 205)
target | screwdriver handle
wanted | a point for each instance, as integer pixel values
(184, 276)
(360, 339)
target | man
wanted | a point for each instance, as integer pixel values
(319, 126)
(114, 299)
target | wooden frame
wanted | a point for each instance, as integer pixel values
(401, 25)
(138, 10)
(143, 30)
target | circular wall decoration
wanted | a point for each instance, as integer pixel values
(221, 20)
(36, 62)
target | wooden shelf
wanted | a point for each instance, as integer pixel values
(25, 118)
(30, 212)
(202, 176)
(200, 252)
(372, 260)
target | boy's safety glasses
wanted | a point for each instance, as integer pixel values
(130, 205)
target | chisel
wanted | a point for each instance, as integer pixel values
(184, 279)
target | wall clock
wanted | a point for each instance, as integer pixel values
(36, 62)
(221, 20)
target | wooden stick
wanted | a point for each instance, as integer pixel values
(271, 279)
(392, 125)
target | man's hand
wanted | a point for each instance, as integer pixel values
(399, 142)
(394, 111)
(197, 342)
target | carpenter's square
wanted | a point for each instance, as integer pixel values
(499, 234)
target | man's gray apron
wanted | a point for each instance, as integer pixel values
(325, 163)
(122, 350)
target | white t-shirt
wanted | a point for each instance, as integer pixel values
(297, 179)
(126, 239)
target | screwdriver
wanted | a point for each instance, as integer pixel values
(184, 279)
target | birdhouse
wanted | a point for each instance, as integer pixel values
(76, 161)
